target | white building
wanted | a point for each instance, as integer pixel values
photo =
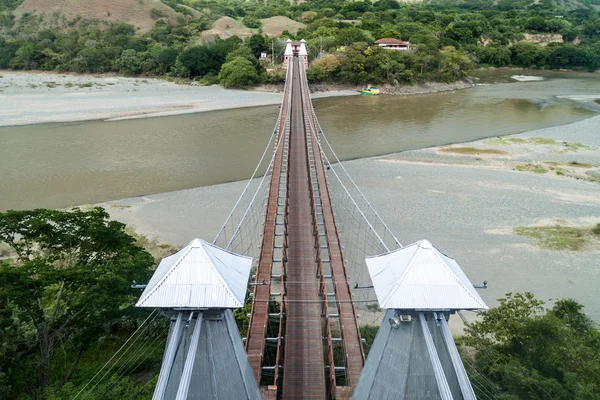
(393, 44)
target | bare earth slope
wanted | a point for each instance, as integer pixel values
(275, 26)
(226, 27)
(56, 13)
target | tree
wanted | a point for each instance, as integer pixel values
(155, 13)
(352, 69)
(8, 49)
(159, 60)
(324, 68)
(29, 56)
(566, 56)
(252, 22)
(526, 54)
(498, 56)
(536, 24)
(70, 276)
(201, 60)
(129, 63)
(246, 52)
(528, 352)
(454, 64)
(238, 73)
(91, 59)
(198, 60)
(387, 5)
(462, 32)
(351, 35)
(309, 16)
(257, 43)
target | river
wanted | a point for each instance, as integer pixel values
(60, 165)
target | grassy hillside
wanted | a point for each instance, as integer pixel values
(142, 14)
(226, 27)
(275, 26)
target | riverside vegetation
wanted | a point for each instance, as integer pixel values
(66, 306)
(448, 38)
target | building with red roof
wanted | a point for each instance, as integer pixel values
(393, 44)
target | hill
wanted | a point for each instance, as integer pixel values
(275, 26)
(226, 27)
(62, 13)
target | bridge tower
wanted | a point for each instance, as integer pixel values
(295, 49)
(414, 353)
(204, 358)
(288, 54)
(303, 54)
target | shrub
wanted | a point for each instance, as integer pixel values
(251, 22)
(156, 13)
(238, 73)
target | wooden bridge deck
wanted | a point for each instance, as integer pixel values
(303, 370)
(259, 317)
(306, 347)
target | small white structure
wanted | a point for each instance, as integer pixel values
(303, 53)
(414, 355)
(200, 275)
(420, 277)
(393, 44)
(288, 54)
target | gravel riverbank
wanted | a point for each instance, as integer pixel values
(42, 97)
(34, 98)
(467, 202)
(39, 97)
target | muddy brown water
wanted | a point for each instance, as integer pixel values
(60, 165)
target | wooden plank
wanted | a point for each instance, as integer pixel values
(352, 343)
(303, 371)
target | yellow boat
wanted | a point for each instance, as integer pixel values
(370, 91)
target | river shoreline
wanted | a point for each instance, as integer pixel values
(29, 98)
(467, 202)
(318, 89)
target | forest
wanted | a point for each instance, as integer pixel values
(447, 40)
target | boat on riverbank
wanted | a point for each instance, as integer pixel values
(370, 91)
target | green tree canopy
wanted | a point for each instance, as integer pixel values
(129, 62)
(238, 73)
(527, 352)
(69, 276)
(324, 68)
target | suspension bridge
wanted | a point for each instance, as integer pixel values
(310, 253)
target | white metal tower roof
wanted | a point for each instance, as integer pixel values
(420, 277)
(200, 275)
(303, 51)
(288, 48)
